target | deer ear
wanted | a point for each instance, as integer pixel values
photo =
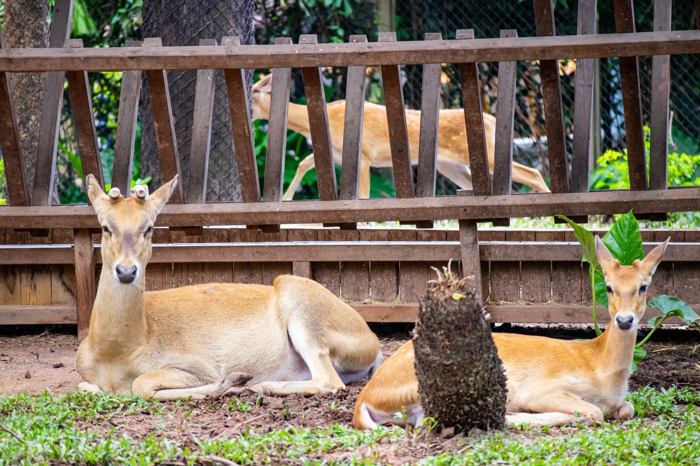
(94, 190)
(651, 261)
(157, 200)
(602, 253)
(264, 84)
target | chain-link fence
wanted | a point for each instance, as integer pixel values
(414, 18)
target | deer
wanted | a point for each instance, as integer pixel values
(452, 151)
(550, 382)
(211, 339)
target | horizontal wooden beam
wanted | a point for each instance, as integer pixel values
(37, 315)
(376, 313)
(351, 54)
(329, 251)
(378, 210)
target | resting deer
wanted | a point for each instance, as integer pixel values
(199, 341)
(452, 152)
(550, 382)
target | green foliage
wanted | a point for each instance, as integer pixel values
(624, 242)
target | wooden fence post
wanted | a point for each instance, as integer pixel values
(85, 279)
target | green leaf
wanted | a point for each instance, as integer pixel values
(639, 354)
(672, 306)
(587, 241)
(624, 240)
(601, 292)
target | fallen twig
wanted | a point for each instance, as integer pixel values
(239, 425)
(12, 433)
(218, 460)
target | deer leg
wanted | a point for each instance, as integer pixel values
(171, 384)
(624, 413)
(557, 410)
(458, 173)
(364, 180)
(88, 387)
(304, 166)
(530, 177)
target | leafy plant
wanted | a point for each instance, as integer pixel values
(625, 244)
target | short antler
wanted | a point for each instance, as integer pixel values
(140, 191)
(115, 194)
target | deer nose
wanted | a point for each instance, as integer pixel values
(126, 275)
(624, 323)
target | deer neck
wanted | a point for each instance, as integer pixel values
(298, 116)
(118, 317)
(615, 351)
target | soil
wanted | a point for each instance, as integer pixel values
(37, 362)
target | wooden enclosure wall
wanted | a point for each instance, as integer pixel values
(532, 290)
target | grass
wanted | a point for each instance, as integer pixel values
(71, 428)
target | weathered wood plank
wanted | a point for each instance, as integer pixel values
(126, 127)
(355, 54)
(320, 131)
(503, 158)
(396, 120)
(159, 276)
(302, 268)
(429, 120)
(63, 282)
(470, 253)
(660, 87)
(277, 131)
(352, 131)
(217, 272)
(271, 270)
(81, 101)
(583, 102)
(164, 124)
(245, 272)
(474, 119)
(551, 94)
(471, 207)
(536, 275)
(631, 100)
(17, 191)
(354, 276)
(189, 272)
(201, 132)
(37, 315)
(85, 279)
(327, 272)
(241, 126)
(382, 274)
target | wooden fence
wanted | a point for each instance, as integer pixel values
(388, 267)
(528, 276)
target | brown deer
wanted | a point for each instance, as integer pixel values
(550, 382)
(202, 341)
(452, 152)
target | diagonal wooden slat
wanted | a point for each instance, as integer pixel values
(164, 124)
(631, 100)
(551, 94)
(242, 127)
(583, 102)
(660, 87)
(352, 132)
(277, 130)
(474, 119)
(51, 111)
(17, 192)
(429, 121)
(320, 131)
(201, 132)
(398, 131)
(81, 101)
(126, 127)
(503, 157)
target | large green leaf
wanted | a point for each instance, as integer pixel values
(672, 306)
(587, 241)
(601, 292)
(624, 240)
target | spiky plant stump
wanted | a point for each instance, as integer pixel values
(460, 377)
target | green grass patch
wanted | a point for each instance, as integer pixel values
(76, 428)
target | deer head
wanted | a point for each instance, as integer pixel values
(127, 226)
(627, 284)
(261, 97)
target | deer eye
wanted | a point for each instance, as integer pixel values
(643, 289)
(149, 231)
(609, 289)
(106, 230)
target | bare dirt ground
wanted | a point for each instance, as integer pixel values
(37, 362)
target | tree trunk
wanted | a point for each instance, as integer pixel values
(26, 26)
(461, 381)
(184, 22)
